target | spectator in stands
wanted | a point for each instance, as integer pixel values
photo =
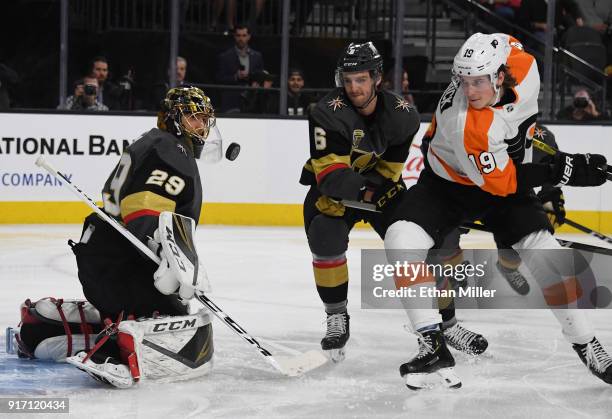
(84, 97)
(236, 66)
(7, 76)
(108, 92)
(161, 87)
(582, 109)
(261, 101)
(116, 96)
(181, 71)
(596, 14)
(508, 9)
(297, 100)
(532, 15)
(388, 84)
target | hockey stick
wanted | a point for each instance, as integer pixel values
(552, 151)
(290, 366)
(359, 205)
(472, 226)
(588, 231)
(564, 243)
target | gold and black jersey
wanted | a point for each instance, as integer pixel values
(156, 173)
(346, 148)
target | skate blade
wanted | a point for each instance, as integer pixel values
(336, 355)
(10, 343)
(444, 377)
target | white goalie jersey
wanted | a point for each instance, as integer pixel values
(481, 147)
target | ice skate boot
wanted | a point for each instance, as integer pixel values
(104, 369)
(515, 279)
(597, 360)
(337, 335)
(465, 340)
(432, 366)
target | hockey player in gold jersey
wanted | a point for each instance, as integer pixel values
(360, 137)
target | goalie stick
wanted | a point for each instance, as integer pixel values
(288, 365)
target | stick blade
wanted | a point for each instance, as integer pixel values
(294, 366)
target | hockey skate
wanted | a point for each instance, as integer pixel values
(597, 360)
(104, 369)
(336, 337)
(515, 279)
(465, 340)
(432, 366)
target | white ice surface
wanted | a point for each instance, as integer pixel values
(262, 277)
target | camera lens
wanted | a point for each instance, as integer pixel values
(581, 102)
(90, 89)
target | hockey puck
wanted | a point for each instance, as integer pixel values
(232, 151)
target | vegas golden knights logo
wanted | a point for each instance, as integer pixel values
(363, 162)
(357, 137)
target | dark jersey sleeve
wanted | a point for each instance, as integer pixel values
(546, 136)
(391, 163)
(330, 161)
(144, 184)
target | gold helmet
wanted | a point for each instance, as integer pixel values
(183, 102)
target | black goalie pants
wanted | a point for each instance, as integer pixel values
(116, 277)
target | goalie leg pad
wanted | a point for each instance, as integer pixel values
(53, 329)
(169, 348)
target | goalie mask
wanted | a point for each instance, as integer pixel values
(189, 112)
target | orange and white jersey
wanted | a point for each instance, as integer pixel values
(481, 147)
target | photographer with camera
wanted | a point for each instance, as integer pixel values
(118, 94)
(84, 97)
(582, 108)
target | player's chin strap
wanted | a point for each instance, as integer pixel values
(372, 97)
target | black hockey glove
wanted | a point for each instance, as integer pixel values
(579, 169)
(384, 194)
(553, 201)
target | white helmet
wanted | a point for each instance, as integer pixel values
(481, 54)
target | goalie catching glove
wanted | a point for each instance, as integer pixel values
(179, 270)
